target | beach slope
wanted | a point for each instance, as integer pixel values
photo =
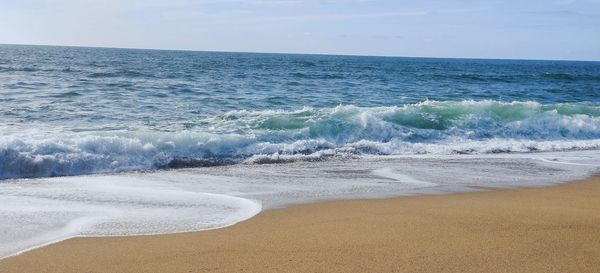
(552, 229)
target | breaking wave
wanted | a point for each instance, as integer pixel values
(429, 127)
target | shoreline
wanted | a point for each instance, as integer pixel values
(557, 221)
(466, 189)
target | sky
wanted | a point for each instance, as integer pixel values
(511, 29)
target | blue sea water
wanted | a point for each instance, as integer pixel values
(343, 127)
(71, 111)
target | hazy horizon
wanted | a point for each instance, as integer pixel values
(300, 53)
(534, 30)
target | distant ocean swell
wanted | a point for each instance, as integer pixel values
(477, 77)
(429, 127)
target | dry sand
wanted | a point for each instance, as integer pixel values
(554, 229)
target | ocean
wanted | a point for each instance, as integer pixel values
(103, 142)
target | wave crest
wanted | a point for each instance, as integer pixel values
(431, 127)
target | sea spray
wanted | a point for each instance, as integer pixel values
(429, 127)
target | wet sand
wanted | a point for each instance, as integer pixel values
(552, 229)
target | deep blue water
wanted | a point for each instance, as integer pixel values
(68, 111)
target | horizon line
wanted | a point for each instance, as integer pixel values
(301, 53)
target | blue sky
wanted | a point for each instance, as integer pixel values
(551, 29)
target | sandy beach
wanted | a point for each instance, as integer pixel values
(552, 229)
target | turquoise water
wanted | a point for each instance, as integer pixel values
(71, 111)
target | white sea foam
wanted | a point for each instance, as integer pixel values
(36, 212)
